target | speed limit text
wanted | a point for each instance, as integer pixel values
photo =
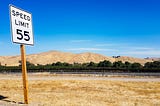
(24, 18)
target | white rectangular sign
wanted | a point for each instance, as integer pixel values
(21, 26)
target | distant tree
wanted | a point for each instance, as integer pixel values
(66, 64)
(105, 63)
(28, 64)
(85, 64)
(148, 65)
(58, 64)
(38, 64)
(136, 66)
(118, 64)
(77, 64)
(53, 64)
(127, 64)
(156, 64)
(91, 64)
(116, 56)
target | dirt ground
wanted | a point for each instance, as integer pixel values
(79, 92)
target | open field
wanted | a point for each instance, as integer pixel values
(79, 91)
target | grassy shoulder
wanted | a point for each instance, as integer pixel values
(83, 92)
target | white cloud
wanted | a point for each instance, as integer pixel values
(90, 49)
(79, 41)
(147, 52)
(139, 51)
(141, 48)
(1, 43)
(102, 45)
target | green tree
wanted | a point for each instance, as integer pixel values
(91, 64)
(28, 64)
(66, 64)
(58, 64)
(105, 63)
(136, 66)
(85, 64)
(148, 65)
(77, 64)
(118, 64)
(53, 64)
(127, 64)
(156, 64)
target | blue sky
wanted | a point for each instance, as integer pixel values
(108, 27)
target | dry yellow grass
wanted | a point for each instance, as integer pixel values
(83, 93)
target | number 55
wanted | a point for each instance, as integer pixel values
(26, 35)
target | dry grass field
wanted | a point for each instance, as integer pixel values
(81, 93)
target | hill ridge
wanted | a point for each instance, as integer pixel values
(54, 56)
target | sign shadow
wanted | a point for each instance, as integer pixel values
(3, 98)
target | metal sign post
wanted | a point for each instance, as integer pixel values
(22, 33)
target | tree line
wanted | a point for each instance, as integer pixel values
(105, 66)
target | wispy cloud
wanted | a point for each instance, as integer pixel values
(140, 48)
(90, 49)
(79, 41)
(112, 48)
(140, 51)
(149, 53)
(1, 43)
(104, 45)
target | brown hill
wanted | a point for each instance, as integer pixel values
(55, 56)
(153, 59)
(132, 60)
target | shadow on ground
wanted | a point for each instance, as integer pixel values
(4, 98)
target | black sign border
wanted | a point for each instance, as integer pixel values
(10, 5)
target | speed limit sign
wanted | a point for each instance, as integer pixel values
(22, 33)
(21, 26)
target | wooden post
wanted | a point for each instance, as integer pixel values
(24, 74)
